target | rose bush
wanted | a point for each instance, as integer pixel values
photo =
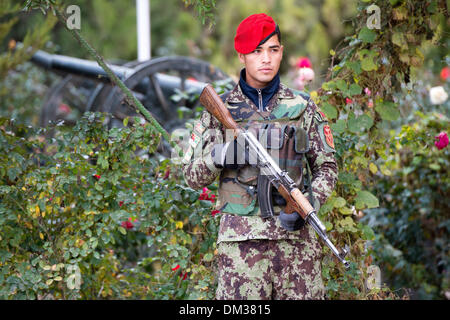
(82, 217)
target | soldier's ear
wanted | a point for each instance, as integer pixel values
(241, 57)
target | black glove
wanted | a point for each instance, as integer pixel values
(229, 155)
(291, 221)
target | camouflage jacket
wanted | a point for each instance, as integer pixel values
(199, 170)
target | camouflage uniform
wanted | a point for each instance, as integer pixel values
(258, 259)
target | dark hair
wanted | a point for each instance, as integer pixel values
(275, 32)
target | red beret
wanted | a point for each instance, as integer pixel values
(252, 30)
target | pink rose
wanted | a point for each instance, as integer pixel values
(367, 91)
(441, 140)
(305, 76)
(303, 62)
(64, 108)
(348, 101)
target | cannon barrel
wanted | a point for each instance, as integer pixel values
(91, 69)
(70, 65)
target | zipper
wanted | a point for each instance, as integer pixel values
(260, 101)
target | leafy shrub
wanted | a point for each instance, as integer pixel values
(413, 223)
(82, 217)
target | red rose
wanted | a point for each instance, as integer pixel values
(166, 174)
(96, 176)
(445, 73)
(348, 101)
(214, 212)
(205, 195)
(441, 140)
(176, 268)
(120, 203)
(127, 224)
(184, 276)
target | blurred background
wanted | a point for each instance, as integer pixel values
(309, 29)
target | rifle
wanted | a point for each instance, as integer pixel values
(296, 201)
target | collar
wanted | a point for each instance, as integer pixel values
(237, 95)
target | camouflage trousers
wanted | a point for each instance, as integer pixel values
(269, 269)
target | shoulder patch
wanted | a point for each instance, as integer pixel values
(328, 135)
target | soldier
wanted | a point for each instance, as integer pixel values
(280, 257)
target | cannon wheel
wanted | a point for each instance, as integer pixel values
(155, 98)
(69, 98)
(65, 100)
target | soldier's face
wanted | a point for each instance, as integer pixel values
(262, 64)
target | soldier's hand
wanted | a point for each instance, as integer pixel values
(291, 221)
(229, 155)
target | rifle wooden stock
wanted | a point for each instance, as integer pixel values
(212, 102)
(296, 202)
(295, 199)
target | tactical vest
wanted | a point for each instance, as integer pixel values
(281, 133)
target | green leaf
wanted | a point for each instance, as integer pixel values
(355, 66)
(125, 122)
(345, 211)
(339, 126)
(330, 85)
(348, 224)
(366, 121)
(361, 123)
(342, 85)
(208, 257)
(122, 230)
(435, 166)
(368, 65)
(353, 125)
(367, 59)
(367, 35)
(339, 202)
(367, 232)
(366, 199)
(399, 40)
(329, 110)
(387, 110)
(355, 89)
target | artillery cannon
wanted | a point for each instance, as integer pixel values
(86, 87)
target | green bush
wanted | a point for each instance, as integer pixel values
(81, 216)
(413, 222)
